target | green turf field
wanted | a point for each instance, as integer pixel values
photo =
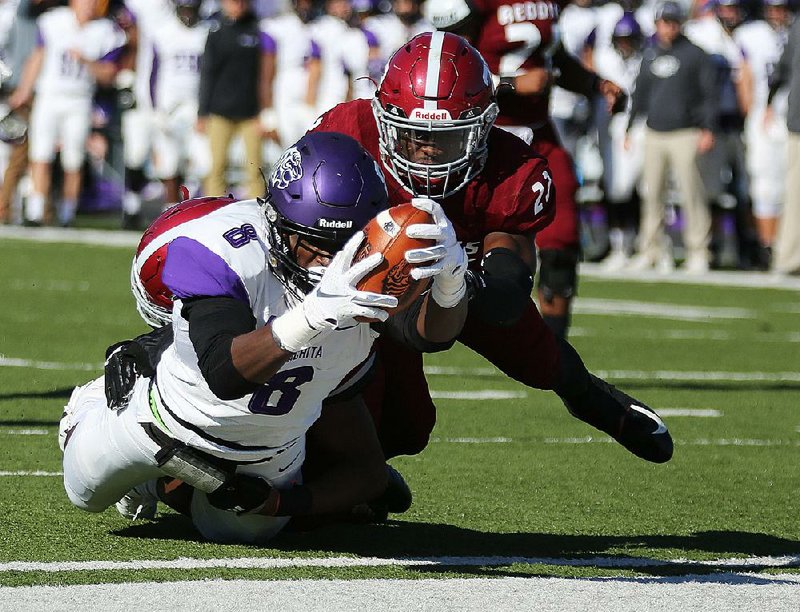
(513, 477)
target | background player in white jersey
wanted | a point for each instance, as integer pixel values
(765, 133)
(263, 334)
(75, 52)
(138, 118)
(298, 69)
(346, 52)
(397, 27)
(177, 48)
(624, 154)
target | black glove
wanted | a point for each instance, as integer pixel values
(241, 493)
(127, 360)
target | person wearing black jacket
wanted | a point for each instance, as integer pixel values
(675, 90)
(236, 74)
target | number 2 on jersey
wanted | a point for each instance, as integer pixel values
(539, 190)
(530, 37)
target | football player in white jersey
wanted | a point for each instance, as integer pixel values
(178, 45)
(396, 28)
(765, 131)
(138, 117)
(624, 155)
(75, 51)
(346, 53)
(298, 70)
(267, 326)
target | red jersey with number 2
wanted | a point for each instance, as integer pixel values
(514, 38)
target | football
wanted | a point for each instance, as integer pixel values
(386, 234)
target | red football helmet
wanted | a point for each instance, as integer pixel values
(435, 107)
(153, 298)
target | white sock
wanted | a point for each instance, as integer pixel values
(34, 208)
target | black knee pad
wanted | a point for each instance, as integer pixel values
(558, 273)
(501, 291)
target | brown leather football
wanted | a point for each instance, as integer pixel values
(386, 234)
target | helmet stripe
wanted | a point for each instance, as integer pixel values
(434, 66)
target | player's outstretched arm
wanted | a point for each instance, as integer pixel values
(444, 308)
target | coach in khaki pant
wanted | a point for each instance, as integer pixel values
(236, 74)
(675, 89)
(786, 257)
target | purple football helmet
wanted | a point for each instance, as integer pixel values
(323, 189)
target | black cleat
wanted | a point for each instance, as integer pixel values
(396, 499)
(630, 422)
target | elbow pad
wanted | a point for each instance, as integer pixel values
(501, 291)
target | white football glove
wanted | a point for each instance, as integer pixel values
(447, 259)
(335, 302)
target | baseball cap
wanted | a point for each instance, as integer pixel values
(776, 2)
(670, 11)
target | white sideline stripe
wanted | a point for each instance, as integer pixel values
(596, 306)
(638, 374)
(732, 592)
(689, 412)
(678, 442)
(484, 394)
(284, 562)
(34, 473)
(499, 440)
(24, 432)
(48, 285)
(13, 362)
(68, 235)
(720, 278)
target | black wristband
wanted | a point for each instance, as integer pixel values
(296, 501)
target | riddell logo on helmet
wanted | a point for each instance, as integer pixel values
(334, 224)
(430, 115)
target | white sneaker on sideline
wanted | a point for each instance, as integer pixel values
(696, 264)
(140, 502)
(639, 263)
(615, 261)
(665, 264)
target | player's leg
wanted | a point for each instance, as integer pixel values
(106, 452)
(787, 241)
(166, 142)
(73, 151)
(137, 125)
(43, 134)
(559, 242)
(529, 353)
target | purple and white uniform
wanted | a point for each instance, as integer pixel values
(177, 50)
(293, 49)
(223, 253)
(65, 86)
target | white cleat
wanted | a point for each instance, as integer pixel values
(140, 502)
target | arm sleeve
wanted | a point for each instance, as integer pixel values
(708, 86)
(640, 92)
(780, 75)
(206, 76)
(573, 75)
(213, 324)
(402, 327)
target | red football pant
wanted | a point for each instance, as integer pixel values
(398, 396)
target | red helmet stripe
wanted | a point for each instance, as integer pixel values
(434, 66)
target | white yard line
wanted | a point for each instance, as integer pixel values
(183, 563)
(596, 306)
(689, 412)
(24, 432)
(30, 473)
(15, 362)
(732, 592)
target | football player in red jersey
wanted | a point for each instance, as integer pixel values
(431, 123)
(520, 43)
